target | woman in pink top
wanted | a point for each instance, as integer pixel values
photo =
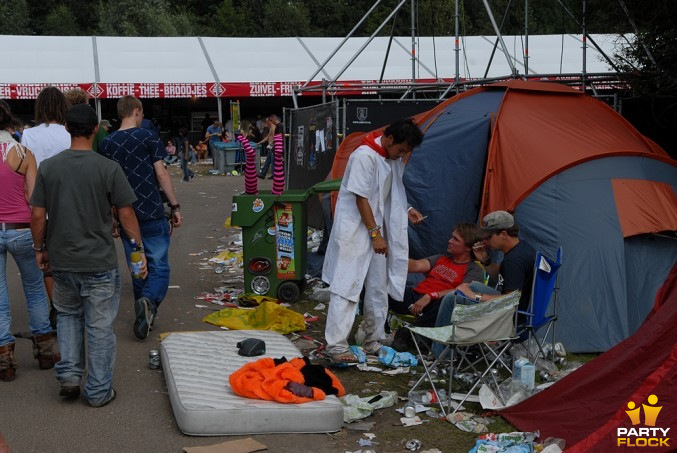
(17, 179)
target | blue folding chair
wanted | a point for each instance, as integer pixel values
(544, 289)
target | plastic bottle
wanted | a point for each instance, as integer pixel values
(135, 260)
(528, 375)
(517, 383)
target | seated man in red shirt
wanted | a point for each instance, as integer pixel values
(443, 274)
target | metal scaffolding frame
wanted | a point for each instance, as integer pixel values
(583, 80)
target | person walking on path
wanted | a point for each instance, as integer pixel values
(48, 138)
(17, 179)
(184, 154)
(78, 189)
(141, 156)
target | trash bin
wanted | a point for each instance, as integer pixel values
(225, 156)
(274, 235)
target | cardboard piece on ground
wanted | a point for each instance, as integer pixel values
(247, 445)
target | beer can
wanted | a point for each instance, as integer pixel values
(413, 445)
(154, 359)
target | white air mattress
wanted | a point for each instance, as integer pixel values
(197, 366)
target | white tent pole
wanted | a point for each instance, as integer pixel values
(216, 78)
(97, 78)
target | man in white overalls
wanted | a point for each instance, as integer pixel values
(368, 245)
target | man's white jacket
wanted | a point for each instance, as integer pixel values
(349, 250)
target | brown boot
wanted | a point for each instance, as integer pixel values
(44, 349)
(7, 363)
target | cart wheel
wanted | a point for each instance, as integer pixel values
(288, 292)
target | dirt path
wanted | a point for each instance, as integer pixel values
(34, 418)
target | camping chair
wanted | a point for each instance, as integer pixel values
(490, 326)
(544, 288)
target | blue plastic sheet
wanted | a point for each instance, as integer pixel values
(390, 357)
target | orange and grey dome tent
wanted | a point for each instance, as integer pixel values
(574, 173)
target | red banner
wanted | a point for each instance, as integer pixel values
(31, 90)
(203, 90)
(157, 90)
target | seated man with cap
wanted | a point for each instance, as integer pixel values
(515, 272)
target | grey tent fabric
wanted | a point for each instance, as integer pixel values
(452, 160)
(609, 283)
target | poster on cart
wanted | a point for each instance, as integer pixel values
(312, 149)
(284, 242)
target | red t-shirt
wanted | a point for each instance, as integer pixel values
(444, 275)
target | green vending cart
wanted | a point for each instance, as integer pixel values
(274, 235)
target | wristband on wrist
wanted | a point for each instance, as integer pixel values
(434, 295)
(175, 207)
(40, 249)
(478, 297)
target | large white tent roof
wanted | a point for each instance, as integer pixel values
(233, 66)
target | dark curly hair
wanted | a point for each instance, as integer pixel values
(51, 106)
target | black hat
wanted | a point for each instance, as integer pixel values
(82, 114)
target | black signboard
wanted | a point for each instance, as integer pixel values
(365, 116)
(312, 149)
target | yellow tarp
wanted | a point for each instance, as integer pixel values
(267, 316)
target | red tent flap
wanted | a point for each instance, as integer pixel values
(586, 407)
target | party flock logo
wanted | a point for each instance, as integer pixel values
(648, 436)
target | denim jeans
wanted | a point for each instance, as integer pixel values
(171, 159)
(187, 172)
(270, 161)
(155, 236)
(19, 244)
(87, 304)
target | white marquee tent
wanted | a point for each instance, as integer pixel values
(109, 67)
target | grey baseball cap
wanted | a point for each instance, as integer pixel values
(497, 220)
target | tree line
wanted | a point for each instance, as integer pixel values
(256, 18)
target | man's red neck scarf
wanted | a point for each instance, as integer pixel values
(370, 141)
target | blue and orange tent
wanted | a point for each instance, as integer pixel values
(575, 174)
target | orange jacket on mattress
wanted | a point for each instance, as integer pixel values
(294, 381)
